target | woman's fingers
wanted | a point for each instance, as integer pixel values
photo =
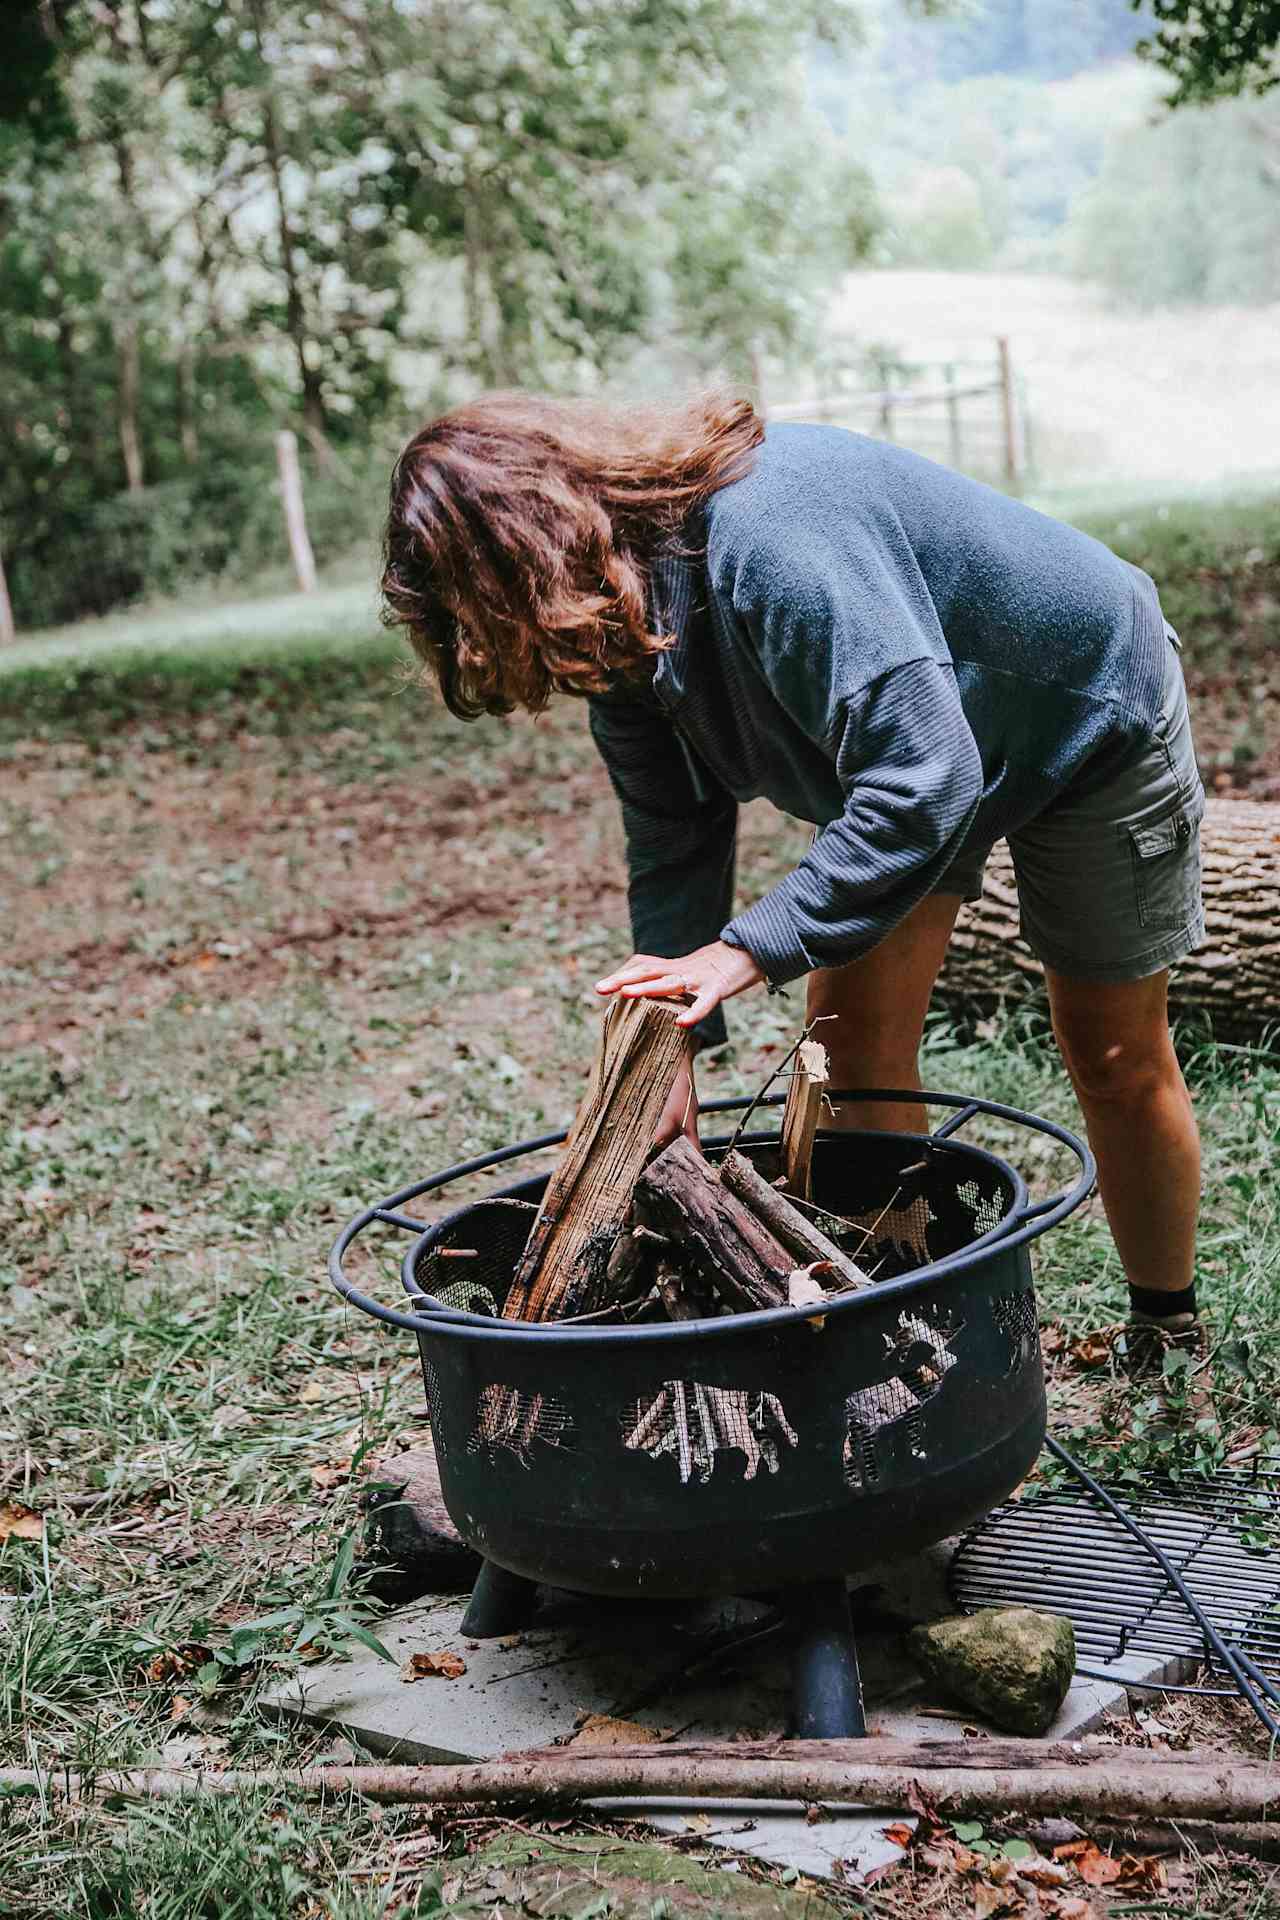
(659, 989)
(706, 1000)
(642, 966)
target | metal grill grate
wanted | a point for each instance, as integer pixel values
(1063, 1552)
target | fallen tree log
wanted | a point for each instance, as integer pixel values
(957, 1776)
(1234, 981)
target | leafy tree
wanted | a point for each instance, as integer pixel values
(1152, 229)
(218, 214)
(1213, 48)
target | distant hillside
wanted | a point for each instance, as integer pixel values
(1025, 136)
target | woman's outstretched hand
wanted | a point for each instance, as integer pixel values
(710, 975)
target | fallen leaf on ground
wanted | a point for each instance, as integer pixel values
(330, 1474)
(989, 1901)
(433, 1666)
(1042, 1873)
(1067, 1906)
(696, 1822)
(1097, 1869)
(602, 1730)
(1142, 1870)
(20, 1523)
(1091, 1350)
(898, 1834)
(174, 1662)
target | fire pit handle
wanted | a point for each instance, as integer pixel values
(1027, 1220)
(1046, 1213)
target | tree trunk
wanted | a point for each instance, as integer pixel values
(188, 437)
(6, 608)
(130, 438)
(1234, 981)
(295, 518)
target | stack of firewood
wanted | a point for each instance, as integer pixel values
(624, 1233)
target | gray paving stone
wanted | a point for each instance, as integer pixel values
(654, 1665)
(846, 1839)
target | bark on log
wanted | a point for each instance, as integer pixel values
(679, 1194)
(958, 1776)
(800, 1116)
(1234, 981)
(787, 1224)
(589, 1194)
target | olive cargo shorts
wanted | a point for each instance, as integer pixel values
(1109, 881)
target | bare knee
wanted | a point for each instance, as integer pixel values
(1115, 1070)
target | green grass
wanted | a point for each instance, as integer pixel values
(262, 656)
(185, 1125)
(1217, 565)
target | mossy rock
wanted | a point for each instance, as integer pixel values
(589, 1875)
(1009, 1664)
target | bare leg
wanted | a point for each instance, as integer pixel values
(880, 1003)
(1117, 1047)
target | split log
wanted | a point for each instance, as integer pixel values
(799, 1236)
(800, 1116)
(960, 1777)
(1234, 981)
(589, 1194)
(680, 1194)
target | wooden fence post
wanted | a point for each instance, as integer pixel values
(955, 445)
(1009, 414)
(295, 520)
(6, 608)
(758, 381)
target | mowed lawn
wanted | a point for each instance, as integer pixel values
(281, 937)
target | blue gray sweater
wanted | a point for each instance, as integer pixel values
(910, 660)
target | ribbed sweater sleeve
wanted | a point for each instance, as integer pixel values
(681, 834)
(912, 779)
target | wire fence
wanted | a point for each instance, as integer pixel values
(971, 414)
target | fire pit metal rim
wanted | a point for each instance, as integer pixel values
(1027, 1221)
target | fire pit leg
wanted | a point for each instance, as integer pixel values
(826, 1687)
(501, 1602)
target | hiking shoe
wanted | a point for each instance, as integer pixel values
(1174, 1361)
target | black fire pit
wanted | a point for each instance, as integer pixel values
(752, 1453)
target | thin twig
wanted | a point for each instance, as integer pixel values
(777, 1074)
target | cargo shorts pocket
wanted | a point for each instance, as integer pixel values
(1166, 866)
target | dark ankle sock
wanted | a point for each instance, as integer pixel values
(1153, 1303)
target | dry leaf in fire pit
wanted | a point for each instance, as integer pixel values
(20, 1523)
(804, 1290)
(433, 1666)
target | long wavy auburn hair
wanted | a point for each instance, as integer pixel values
(521, 532)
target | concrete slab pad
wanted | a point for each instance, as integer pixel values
(580, 1657)
(846, 1842)
(665, 1667)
